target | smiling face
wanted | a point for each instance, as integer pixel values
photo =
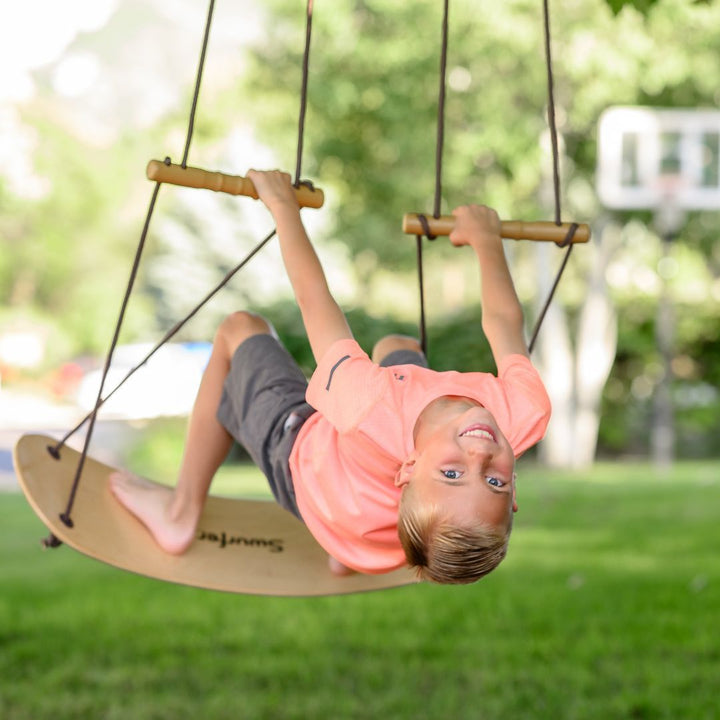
(462, 464)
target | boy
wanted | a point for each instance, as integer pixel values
(387, 462)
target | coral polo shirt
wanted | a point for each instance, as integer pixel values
(347, 454)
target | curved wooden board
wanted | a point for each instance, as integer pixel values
(243, 546)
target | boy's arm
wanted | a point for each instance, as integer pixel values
(502, 316)
(323, 319)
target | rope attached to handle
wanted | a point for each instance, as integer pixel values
(52, 540)
(563, 234)
(439, 145)
(65, 516)
(556, 175)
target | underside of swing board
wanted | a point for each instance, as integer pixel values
(242, 546)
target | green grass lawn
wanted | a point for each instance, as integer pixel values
(608, 606)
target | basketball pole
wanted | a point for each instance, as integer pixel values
(668, 219)
(667, 161)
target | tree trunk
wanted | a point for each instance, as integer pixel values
(595, 349)
(575, 374)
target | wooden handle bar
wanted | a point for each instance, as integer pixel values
(220, 182)
(511, 229)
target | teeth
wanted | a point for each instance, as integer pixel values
(478, 433)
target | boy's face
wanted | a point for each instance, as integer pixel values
(462, 463)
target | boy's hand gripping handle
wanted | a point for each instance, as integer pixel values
(158, 171)
(510, 229)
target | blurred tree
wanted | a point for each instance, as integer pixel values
(370, 143)
(372, 136)
(56, 248)
(67, 241)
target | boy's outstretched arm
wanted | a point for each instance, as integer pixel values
(324, 321)
(502, 316)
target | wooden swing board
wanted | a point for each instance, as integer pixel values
(242, 546)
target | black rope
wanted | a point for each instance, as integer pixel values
(552, 124)
(421, 286)
(568, 241)
(551, 113)
(303, 92)
(425, 225)
(198, 79)
(53, 541)
(439, 143)
(441, 111)
(54, 451)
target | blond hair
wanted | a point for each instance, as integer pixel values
(446, 553)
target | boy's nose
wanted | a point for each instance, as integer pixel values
(479, 451)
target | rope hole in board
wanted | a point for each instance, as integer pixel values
(54, 451)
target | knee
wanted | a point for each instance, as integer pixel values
(390, 343)
(239, 326)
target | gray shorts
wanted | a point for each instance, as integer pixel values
(263, 407)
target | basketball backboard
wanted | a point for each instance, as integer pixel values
(651, 157)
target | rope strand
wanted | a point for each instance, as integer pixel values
(556, 177)
(541, 316)
(551, 113)
(198, 79)
(439, 145)
(54, 451)
(168, 336)
(303, 91)
(421, 286)
(65, 516)
(53, 541)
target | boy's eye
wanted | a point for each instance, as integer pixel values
(452, 474)
(496, 482)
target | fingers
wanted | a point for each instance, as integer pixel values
(269, 179)
(272, 186)
(271, 174)
(478, 213)
(473, 222)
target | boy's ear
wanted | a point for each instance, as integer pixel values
(514, 499)
(404, 474)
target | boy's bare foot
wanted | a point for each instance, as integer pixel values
(152, 504)
(337, 568)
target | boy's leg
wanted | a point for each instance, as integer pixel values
(172, 514)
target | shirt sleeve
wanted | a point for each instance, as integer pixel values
(528, 400)
(345, 385)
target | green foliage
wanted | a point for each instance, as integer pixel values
(370, 143)
(605, 609)
(628, 400)
(372, 135)
(60, 251)
(455, 342)
(642, 6)
(157, 449)
(373, 107)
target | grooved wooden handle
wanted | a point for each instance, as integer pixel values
(511, 229)
(220, 182)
